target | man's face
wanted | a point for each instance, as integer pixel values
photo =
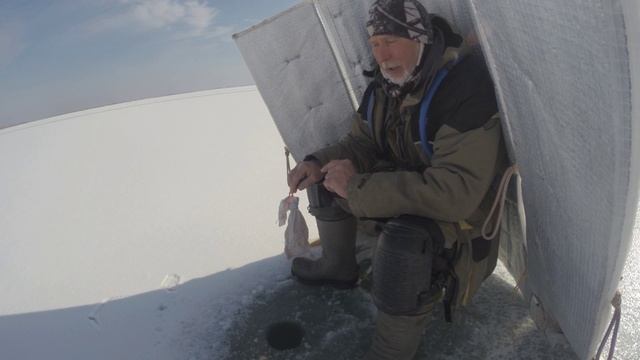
(396, 56)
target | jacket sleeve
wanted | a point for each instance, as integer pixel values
(451, 189)
(356, 146)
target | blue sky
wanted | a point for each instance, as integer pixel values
(59, 56)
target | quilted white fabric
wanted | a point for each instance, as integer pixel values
(294, 65)
(562, 70)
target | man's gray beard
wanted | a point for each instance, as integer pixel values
(407, 75)
(400, 82)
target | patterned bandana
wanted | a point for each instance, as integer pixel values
(404, 18)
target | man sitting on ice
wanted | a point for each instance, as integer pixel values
(424, 149)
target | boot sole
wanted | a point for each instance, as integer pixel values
(336, 284)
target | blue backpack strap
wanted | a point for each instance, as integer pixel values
(367, 105)
(426, 103)
(370, 105)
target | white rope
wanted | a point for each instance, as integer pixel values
(499, 201)
(614, 325)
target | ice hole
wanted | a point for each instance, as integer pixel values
(285, 335)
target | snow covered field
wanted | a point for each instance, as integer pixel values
(146, 230)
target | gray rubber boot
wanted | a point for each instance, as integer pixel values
(337, 267)
(397, 337)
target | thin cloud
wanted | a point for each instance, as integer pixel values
(186, 18)
(218, 33)
(11, 44)
(199, 15)
(222, 31)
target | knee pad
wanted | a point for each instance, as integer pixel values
(323, 205)
(402, 265)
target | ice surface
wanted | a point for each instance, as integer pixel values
(102, 253)
(564, 75)
(105, 210)
(339, 325)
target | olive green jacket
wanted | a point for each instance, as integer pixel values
(453, 187)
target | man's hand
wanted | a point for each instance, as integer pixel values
(337, 176)
(304, 174)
